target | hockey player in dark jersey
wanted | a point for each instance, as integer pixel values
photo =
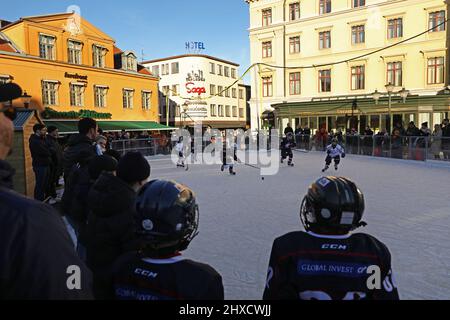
(286, 146)
(166, 221)
(328, 262)
(229, 156)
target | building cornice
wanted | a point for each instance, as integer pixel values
(190, 56)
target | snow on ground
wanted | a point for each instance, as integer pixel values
(407, 207)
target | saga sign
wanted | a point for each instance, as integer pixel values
(190, 88)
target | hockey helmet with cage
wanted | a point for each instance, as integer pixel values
(332, 204)
(166, 217)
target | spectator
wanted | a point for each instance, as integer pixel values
(298, 135)
(35, 248)
(446, 139)
(100, 145)
(83, 141)
(436, 145)
(56, 168)
(368, 141)
(288, 129)
(396, 145)
(307, 137)
(399, 127)
(40, 153)
(422, 141)
(110, 228)
(381, 139)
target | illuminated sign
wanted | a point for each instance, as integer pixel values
(191, 89)
(194, 46)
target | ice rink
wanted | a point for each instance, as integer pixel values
(407, 207)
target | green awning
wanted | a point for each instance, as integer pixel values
(71, 126)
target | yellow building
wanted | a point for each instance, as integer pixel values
(378, 42)
(66, 65)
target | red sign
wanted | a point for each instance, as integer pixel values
(191, 89)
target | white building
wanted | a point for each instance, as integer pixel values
(207, 88)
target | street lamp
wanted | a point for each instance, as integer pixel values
(404, 94)
(376, 96)
(26, 99)
(185, 109)
(390, 90)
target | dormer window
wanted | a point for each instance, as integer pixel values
(129, 61)
(99, 54)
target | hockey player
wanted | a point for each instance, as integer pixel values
(229, 156)
(286, 148)
(334, 152)
(166, 221)
(328, 262)
(179, 147)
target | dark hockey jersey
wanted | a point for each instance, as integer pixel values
(308, 266)
(287, 144)
(176, 278)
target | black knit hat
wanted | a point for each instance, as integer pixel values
(133, 167)
(101, 163)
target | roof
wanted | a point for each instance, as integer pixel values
(192, 55)
(31, 18)
(6, 44)
(22, 118)
(143, 70)
(71, 126)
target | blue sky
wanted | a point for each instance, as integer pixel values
(160, 28)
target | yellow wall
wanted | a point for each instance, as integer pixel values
(29, 72)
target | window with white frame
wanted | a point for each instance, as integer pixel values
(212, 89)
(100, 93)
(227, 111)
(325, 80)
(227, 92)
(166, 90)
(212, 110)
(219, 69)
(233, 73)
(325, 40)
(131, 62)
(226, 71)
(267, 86)
(233, 93)
(128, 97)
(146, 100)
(220, 91)
(74, 51)
(241, 93)
(220, 110)
(266, 17)
(77, 94)
(294, 83)
(234, 112)
(47, 47)
(99, 53)
(50, 93)
(155, 71)
(267, 49)
(212, 68)
(165, 69)
(175, 67)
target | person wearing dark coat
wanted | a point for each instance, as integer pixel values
(36, 252)
(78, 143)
(446, 139)
(40, 153)
(110, 230)
(288, 129)
(56, 168)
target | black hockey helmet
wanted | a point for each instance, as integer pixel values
(166, 217)
(334, 204)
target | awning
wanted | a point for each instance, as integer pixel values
(71, 126)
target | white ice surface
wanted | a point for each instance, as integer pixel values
(407, 207)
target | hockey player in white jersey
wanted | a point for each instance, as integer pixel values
(334, 152)
(179, 147)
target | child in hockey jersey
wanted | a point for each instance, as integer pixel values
(166, 222)
(286, 148)
(179, 147)
(334, 152)
(328, 261)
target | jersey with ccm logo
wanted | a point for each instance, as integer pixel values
(309, 266)
(176, 278)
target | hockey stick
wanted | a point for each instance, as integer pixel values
(247, 164)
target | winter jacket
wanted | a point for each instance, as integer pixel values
(40, 152)
(56, 153)
(110, 229)
(446, 137)
(77, 146)
(436, 145)
(35, 249)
